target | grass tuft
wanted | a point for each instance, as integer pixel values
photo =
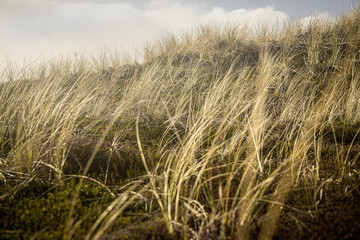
(219, 134)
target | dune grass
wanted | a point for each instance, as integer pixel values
(216, 135)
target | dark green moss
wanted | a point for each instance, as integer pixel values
(30, 212)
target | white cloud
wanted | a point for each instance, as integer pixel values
(322, 17)
(35, 27)
(253, 18)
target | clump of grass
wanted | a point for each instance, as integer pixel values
(217, 134)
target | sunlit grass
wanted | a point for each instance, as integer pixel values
(211, 135)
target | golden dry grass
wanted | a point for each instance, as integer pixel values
(223, 126)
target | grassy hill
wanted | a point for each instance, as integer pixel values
(217, 135)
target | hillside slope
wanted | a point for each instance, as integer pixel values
(217, 135)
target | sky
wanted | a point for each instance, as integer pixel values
(31, 29)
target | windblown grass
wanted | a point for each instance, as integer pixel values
(215, 135)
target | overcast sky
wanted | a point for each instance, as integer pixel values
(47, 28)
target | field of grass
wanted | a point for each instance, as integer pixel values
(216, 135)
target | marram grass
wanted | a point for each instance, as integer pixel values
(216, 135)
